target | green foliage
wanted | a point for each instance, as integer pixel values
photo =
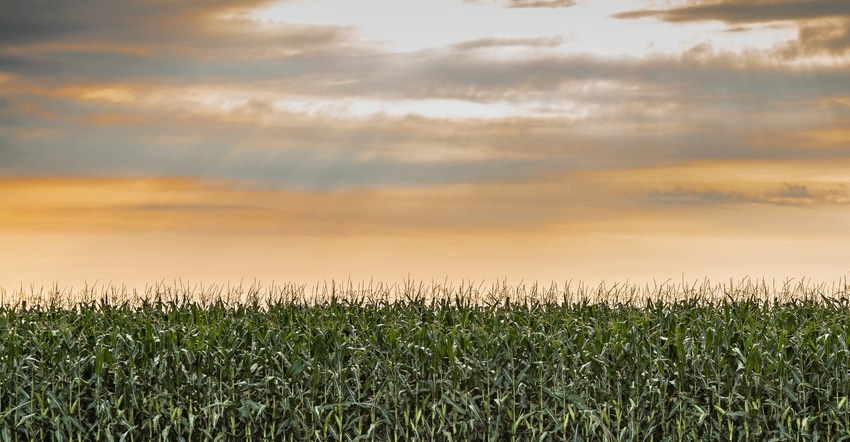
(414, 364)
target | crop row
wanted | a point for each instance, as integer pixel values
(426, 369)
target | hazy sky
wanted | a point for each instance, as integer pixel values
(303, 140)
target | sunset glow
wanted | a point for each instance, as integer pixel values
(305, 140)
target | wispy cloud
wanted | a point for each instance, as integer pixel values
(542, 3)
(746, 11)
(532, 3)
(680, 196)
(786, 195)
(486, 43)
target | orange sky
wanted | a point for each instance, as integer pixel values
(454, 139)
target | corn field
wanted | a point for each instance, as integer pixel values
(696, 363)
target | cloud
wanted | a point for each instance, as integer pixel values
(486, 43)
(681, 196)
(830, 37)
(311, 107)
(480, 78)
(191, 204)
(741, 11)
(824, 25)
(211, 47)
(159, 31)
(46, 19)
(303, 155)
(533, 3)
(567, 113)
(787, 194)
(793, 191)
(542, 3)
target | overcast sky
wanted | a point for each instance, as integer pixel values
(304, 140)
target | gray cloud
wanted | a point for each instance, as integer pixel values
(583, 112)
(328, 61)
(708, 115)
(786, 194)
(794, 191)
(829, 37)
(687, 197)
(306, 152)
(831, 33)
(158, 31)
(46, 19)
(301, 153)
(742, 11)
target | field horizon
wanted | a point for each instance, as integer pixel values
(625, 293)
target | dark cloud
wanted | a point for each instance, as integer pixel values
(40, 20)
(326, 61)
(747, 11)
(192, 29)
(831, 37)
(793, 191)
(44, 20)
(658, 110)
(17, 30)
(577, 111)
(786, 195)
(824, 24)
(686, 197)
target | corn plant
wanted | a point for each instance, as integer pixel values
(725, 363)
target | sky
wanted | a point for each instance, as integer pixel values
(616, 141)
